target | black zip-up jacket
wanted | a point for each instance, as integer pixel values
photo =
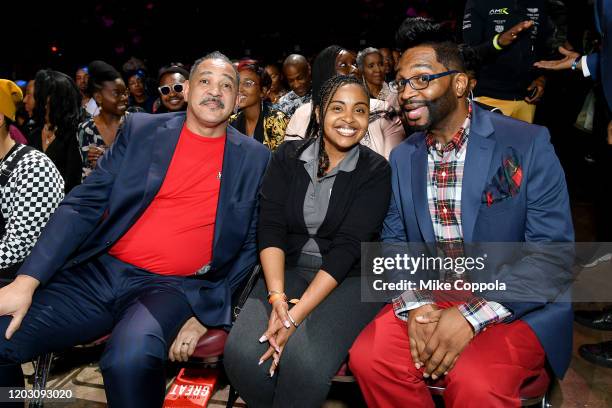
(507, 74)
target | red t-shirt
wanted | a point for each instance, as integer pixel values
(174, 236)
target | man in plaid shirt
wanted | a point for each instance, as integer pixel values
(467, 175)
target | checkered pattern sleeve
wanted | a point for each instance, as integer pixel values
(33, 192)
(481, 313)
(409, 300)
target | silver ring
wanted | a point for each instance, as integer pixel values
(185, 344)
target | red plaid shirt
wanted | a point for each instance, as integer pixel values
(444, 185)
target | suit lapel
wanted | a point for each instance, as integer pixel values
(476, 171)
(233, 160)
(419, 191)
(164, 144)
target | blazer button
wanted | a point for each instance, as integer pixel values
(76, 261)
(203, 270)
(108, 243)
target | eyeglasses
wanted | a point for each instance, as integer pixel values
(248, 83)
(165, 90)
(418, 82)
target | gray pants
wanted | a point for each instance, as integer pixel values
(313, 353)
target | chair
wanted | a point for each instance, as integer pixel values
(210, 346)
(342, 376)
(209, 350)
(42, 367)
(535, 391)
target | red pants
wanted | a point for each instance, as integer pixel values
(488, 373)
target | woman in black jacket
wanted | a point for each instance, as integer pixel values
(58, 110)
(320, 199)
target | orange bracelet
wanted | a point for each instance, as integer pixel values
(275, 296)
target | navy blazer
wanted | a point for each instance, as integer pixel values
(540, 212)
(600, 63)
(127, 178)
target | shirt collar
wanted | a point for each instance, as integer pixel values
(293, 96)
(347, 164)
(456, 142)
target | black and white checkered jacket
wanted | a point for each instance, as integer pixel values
(32, 193)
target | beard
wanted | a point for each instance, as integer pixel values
(437, 110)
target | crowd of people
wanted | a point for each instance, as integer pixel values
(138, 206)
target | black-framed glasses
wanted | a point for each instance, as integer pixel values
(165, 90)
(418, 82)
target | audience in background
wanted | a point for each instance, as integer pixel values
(388, 63)
(371, 67)
(97, 134)
(139, 98)
(385, 130)
(296, 70)
(57, 114)
(81, 79)
(171, 84)
(277, 89)
(255, 118)
(511, 37)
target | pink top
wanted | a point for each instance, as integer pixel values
(17, 136)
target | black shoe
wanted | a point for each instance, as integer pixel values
(595, 319)
(600, 353)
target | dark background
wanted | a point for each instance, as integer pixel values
(161, 32)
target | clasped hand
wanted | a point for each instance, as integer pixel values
(437, 338)
(278, 332)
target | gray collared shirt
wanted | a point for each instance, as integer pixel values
(319, 191)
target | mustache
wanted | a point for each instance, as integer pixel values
(215, 99)
(407, 103)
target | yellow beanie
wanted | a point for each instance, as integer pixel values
(10, 96)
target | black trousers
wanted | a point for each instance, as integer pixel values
(313, 353)
(142, 310)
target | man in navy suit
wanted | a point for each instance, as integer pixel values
(466, 176)
(149, 248)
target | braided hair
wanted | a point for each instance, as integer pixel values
(323, 68)
(328, 90)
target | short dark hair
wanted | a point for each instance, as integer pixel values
(420, 31)
(173, 69)
(214, 55)
(295, 60)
